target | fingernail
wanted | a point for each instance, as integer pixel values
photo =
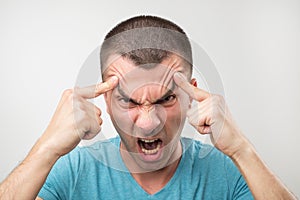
(114, 79)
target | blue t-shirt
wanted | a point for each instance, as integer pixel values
(98, 172)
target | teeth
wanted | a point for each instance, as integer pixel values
(153, 151)
(148, 141)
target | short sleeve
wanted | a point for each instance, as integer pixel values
(62, 178)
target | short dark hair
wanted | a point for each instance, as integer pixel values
(172, 36)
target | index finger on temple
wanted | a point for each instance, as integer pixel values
(194, 92)
(98, 89)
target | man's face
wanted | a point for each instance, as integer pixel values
(148, 111)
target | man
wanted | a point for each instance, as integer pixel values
(146, 67)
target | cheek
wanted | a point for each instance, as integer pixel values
(121, 118)
(175, 116)
(184, 101)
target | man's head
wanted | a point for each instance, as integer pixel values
(147, 108)
(144, 40)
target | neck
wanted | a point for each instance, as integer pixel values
(153, 180)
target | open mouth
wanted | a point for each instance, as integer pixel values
(149, 146)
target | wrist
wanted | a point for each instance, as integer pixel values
(42, 153)
(244, 152)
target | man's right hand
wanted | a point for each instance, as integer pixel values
(75, 118)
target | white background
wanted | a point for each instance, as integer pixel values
(255, 46)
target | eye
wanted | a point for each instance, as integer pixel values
(168, 100)
(126, 102)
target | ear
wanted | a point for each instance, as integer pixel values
(194, 82)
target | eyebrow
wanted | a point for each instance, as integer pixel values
(170, 91)
(122, 93)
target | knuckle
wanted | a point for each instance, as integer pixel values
(68, 92)
(70, 95)
(80, 112)
(98, 129)
(81, 107)
(77, 97)
(100, 121)
(97, 111)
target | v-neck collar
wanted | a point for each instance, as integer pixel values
(173, 179)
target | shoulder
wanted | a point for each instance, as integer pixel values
(201, 151)
(211, 164)
(86, 156)
(72, 171)
(207, 158)
(93, 152)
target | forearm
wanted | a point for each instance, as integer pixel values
(261, 181)
(28, 178)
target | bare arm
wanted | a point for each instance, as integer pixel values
(211, 116)
(28, 178)
(260, 179)
(74, 119)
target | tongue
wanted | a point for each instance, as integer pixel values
(150, 145)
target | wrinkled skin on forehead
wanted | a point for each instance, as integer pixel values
(147, 104)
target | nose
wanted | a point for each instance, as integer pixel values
(147, 121)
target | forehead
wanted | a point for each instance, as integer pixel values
(128, 72)
(157, 75)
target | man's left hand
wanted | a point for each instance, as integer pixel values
(210, 115)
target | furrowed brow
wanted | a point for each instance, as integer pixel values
(169, 92)
(122, 93)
